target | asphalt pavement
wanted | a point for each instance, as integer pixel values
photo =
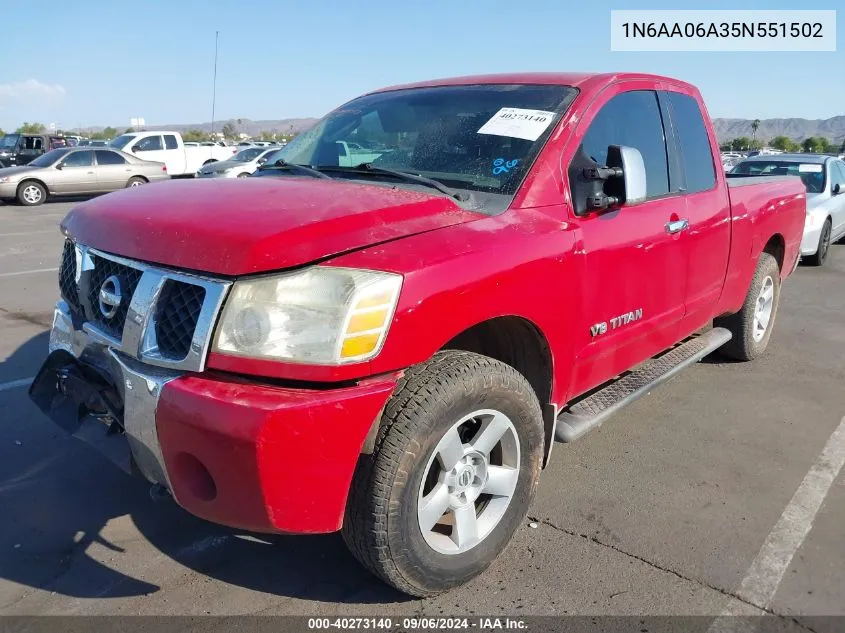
(718, 493)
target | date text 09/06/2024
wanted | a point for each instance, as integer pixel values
(418, 624)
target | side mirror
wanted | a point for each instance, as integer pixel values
(60, 166)
(137, 148)
(622, 181)
(261, 161)
(837, 189)
(633, 173)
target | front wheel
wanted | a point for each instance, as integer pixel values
(31, 193)
(454, 470)
(752, 325)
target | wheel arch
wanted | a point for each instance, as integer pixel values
(35, 180)
(776, 247)
(521, 344)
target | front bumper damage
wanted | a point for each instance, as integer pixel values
(247, 455)
(84, 385)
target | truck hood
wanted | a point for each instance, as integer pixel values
(251, 225)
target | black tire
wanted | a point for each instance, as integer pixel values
(31, 193)
(381, 525)
(744, 345)
(243, 175)
(824, 246)
(136, 181)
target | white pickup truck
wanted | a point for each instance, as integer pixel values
(169, 148)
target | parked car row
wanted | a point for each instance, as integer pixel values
(824, 178)
(76, 171)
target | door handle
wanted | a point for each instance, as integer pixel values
(676, 226)
(90, 172)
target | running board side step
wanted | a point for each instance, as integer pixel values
(587, 414)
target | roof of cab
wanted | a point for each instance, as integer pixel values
(562, 79)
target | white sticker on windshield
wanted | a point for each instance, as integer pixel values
(518, 123)
(804, 169)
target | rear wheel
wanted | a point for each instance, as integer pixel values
(824, 246)
(136, 181)
(752, 325)
(455, 467)
(31, 193)
(243, 175)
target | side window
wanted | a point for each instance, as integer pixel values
(170, 141)
(79, 159)
(838, 175)
(632, 119)
(105, 157)
(696, 153)
(149, 144)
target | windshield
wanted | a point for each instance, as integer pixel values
(481, 137)
(121, 141)
(45, 160)
(9, 141)
(812, 174)
(246, 155)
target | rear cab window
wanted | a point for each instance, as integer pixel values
(170, 141)
(694, 143)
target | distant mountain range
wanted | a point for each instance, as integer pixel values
(726, 129)
(797, 129)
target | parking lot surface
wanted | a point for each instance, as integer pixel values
(720, 492)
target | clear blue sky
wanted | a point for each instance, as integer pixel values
(104, 61)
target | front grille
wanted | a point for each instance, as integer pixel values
(129, 278)
(176, 317)
(67, 276)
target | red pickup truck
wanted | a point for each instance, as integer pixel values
(386, 328)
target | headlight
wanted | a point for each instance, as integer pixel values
(322, 315)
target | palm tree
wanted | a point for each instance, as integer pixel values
(755, 124)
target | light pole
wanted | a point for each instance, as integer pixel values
(214, 85)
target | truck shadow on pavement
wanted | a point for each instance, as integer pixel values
(74, 525)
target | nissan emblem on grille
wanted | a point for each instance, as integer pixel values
(110, 296)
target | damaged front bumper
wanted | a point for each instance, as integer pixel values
(103, 397)
(233, 451)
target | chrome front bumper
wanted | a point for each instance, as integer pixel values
(138, 384)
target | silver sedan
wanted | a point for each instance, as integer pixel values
(76, 171)
(240, 165)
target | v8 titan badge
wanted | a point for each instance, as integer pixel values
(615, 322)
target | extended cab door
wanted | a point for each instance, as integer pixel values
(632, 261)
(705, 208)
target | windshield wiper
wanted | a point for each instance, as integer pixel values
(304, 169)
(369, 168)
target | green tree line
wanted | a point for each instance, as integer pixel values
(812, 144)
